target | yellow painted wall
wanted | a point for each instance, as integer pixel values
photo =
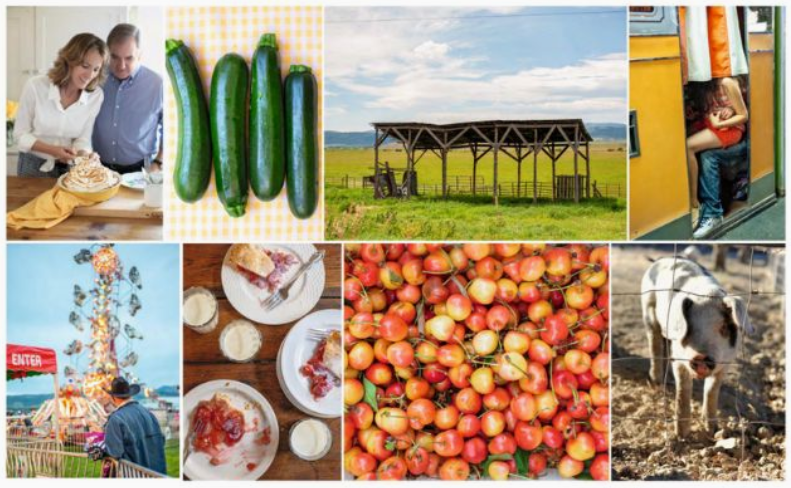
(658, 178)
(762, 153)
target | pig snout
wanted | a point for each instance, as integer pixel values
(702, 365)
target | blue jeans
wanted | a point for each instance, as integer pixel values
(709, 185)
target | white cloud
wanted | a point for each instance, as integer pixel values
(581, 85)
(431, 51)
(406, 70)
(360, 46)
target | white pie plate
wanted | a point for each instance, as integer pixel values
(198, 467)
(246, 298)
(295, 350)
(134, 181)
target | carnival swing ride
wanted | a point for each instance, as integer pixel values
(98, 313)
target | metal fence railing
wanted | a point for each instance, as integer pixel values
(665, 414)
(125, 469)
(34, 442)
(50, 461)
(70, 436)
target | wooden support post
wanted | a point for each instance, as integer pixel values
(496, 150)
(554, 193)
(535, 165)
(444, 153)
(576, 168)
(410, 155)
(587, 170)
(519, 179)
(518, 171)
(378, 193)
(474, 168)
(410, 167)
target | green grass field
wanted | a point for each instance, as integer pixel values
(172, 458)
(353, 214)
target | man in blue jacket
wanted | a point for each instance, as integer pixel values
(132, 432)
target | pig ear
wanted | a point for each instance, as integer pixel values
(678, 323)
(739, 313)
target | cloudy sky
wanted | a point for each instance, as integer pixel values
(40, 283)
(455, 64)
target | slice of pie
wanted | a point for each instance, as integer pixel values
(263, 268)
(333, 354)
(217, 427)
(325, 368)
(251, 259)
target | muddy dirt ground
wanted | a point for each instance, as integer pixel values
(643, 445)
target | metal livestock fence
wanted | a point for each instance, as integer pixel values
(665, 414)
(463, 185)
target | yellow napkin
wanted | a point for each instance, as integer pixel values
(46, 210)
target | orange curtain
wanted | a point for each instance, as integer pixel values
(711, 43)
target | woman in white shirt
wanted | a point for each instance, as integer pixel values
(56, 112)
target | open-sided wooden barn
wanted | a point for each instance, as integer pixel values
(516, 139)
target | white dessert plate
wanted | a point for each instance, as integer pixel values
(249, 459)
(295, 350)
(134, 181)
(246, 298)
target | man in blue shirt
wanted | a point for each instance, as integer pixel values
(131, 431)
(128, 129)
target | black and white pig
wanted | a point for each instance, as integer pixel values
(691, 320)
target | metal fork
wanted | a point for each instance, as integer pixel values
(189, 446)
(319, 334)
(281, 295)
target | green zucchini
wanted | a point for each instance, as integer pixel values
(192, 170)
(228, 118)
(267, 147)
(301, 145)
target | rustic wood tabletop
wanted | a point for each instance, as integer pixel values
(77, 227)
(204, 362)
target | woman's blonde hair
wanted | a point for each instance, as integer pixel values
(72, 54)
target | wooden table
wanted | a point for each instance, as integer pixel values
(204, 362)
(83, 228)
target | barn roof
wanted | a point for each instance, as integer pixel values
(461, 134)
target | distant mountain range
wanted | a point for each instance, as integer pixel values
(26, 402)
(599, 132)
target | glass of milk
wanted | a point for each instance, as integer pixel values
(240, 341)
(310, 439)
(152, 195)
(201, 312)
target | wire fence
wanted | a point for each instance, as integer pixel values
(742, 362)
(464, 185)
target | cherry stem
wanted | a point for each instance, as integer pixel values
(511, 362)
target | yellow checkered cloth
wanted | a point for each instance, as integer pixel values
(211, 32)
